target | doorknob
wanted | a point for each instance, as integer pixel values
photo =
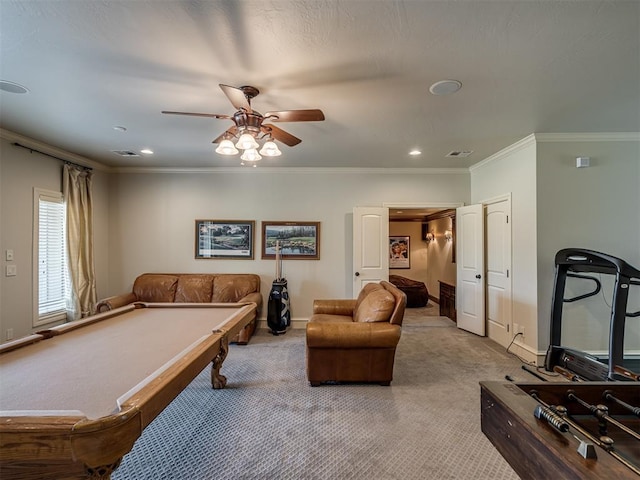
(478, 276)
(357, 274)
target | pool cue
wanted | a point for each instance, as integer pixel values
(535, 374)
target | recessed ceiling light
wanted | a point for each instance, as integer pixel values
(415, 152)
(146, 151)
(12, 87)
(120, 128)
(445, 87)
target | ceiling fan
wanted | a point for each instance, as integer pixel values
(249, 124)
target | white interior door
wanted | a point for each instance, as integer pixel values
(370, 246)
(499, 320)
(470, 280)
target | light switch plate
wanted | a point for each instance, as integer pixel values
(11, 271)
(8, 255)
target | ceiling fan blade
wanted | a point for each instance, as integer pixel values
(192, 114)
(280, 135)
(313, 115)
(237, 97)
(231, 132)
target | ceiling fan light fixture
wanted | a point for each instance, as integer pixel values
(270, 149)
(247, 142)
(226, 147)
(250, 155)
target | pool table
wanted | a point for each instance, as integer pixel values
(75, 398)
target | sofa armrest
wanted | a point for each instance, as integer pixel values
(115, 302)
(352, 335)
(334, 307)
(254, 297)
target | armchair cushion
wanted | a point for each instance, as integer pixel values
(376, 307)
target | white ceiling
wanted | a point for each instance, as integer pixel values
(525, 65)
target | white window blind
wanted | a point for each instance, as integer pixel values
(52, 281)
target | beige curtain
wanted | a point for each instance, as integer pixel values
(76, 187)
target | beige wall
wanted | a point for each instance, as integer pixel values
(597, 208)
(417, 247)
(556, 205)
(440, 255)
(513, 171)
(145, 222)
(152, 220)
(20, 172)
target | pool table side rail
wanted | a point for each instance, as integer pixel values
(54, 447)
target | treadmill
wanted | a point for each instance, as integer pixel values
(582, 264)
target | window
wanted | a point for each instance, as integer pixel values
(50, 259)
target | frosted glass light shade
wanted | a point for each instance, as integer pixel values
(226, 147)
(270, 149)
(246, 141)
(251, 155)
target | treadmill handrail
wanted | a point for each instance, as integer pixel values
(586, 295)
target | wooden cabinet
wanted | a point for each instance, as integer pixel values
(447, 300)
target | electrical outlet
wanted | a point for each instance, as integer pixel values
(9, 333)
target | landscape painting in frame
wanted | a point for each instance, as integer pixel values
(399, 252)
(297, 240)
(230, 239)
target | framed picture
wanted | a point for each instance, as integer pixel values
(231, 239)
(298, 240)
(399, 252)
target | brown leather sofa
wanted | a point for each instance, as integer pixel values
(355, 340)
(196, 288)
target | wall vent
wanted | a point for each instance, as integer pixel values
(459, 153)
(125, 153)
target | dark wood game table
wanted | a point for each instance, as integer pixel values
(75, 398)
(536, 450)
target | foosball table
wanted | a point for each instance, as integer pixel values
(568, 430)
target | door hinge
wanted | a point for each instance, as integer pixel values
(507, 273)
(507, 218)
(507, 328)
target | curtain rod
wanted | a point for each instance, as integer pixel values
(52, 156)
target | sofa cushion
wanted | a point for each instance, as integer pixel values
(155, 288)
(377, 306)
(194, 288)
(229, 288)
(366, 290)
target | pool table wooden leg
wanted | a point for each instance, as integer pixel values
(103, 472)
(218, 380)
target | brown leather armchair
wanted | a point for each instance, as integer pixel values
(355, 340)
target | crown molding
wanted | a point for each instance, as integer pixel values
(53, 151)
(519, 145)
(298, 170)
(588, 137)
(559, 137)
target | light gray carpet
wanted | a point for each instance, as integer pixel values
(270, 424)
